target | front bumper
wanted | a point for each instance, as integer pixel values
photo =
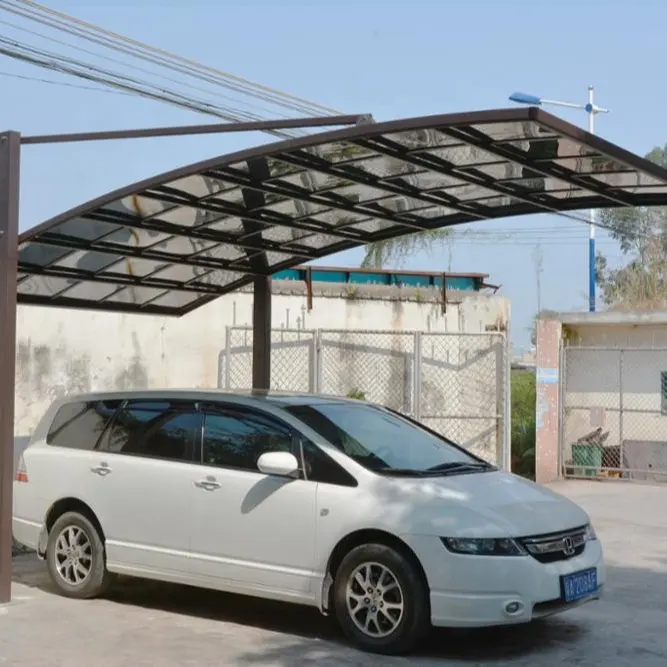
(474, 591)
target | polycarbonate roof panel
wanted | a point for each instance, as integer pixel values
(174, 242)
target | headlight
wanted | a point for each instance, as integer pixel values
(483, 546)
(589, 534)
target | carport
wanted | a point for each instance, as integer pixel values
(171, 243)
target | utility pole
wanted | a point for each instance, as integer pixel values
(538, 258)
(592, 110)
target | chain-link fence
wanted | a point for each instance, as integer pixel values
(456, 384)
(292, 359)
(463, 389)
(378, 364)
(614, 404)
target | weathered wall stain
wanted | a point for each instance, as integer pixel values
(62, 351)
(135, 374)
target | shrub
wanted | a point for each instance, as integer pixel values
(357, 394)
(523, 422)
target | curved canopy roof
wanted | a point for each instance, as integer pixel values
(173, 242)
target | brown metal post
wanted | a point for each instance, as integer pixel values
(443, 305)
(10, 151)
(183, 130)
(261, 333)
(309, 288)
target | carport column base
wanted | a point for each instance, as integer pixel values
(547, 403)
(261, 333)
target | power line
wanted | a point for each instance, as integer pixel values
(528, 242)
(58, 63)
(527, 230)
(132, 84)
(37, 79)
(88, 31)
(231, 77)
(43, 36)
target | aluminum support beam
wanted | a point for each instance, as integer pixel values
(10, 152)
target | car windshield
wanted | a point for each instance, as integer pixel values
(383, 441)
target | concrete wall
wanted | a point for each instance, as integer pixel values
(61, 352)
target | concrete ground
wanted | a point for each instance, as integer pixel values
(145, 624)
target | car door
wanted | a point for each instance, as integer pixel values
(71, 432)
(143, 494)
(251, 532)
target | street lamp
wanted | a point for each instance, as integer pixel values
(592, 110)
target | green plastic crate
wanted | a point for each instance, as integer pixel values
(587, 455)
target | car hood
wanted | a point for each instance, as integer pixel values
(488, 504)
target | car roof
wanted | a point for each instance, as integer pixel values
(249, 396)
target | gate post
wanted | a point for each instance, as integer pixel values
(547, 404)
(228, 356)
(417, 376)
(318, 360)
(504, 403)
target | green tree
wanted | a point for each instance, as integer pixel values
(396, 250)
(642, 235)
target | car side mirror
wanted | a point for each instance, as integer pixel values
(281, 464)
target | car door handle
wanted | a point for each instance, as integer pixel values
(103, 470)
(207, 484)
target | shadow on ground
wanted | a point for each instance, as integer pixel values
(303, 636)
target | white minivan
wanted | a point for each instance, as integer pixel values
(339, 504)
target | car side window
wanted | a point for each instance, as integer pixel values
(80, 425)
(236, 438)
(163, 430)
(320, 467)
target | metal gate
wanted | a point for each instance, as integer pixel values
(614, 413)
(457, 384)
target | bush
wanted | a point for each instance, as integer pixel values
(523, 422)
(356, 393)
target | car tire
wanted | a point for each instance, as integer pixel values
(76, 558)
(394, 597)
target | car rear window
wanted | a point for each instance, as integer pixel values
(79, 425)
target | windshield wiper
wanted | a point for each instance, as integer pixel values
(404, 472)
(460, 466)
(440, 469)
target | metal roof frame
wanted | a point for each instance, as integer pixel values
(174, 242)
(366, 183)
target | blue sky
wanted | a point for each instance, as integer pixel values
(388, 58)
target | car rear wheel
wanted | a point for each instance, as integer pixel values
(76, 559)
(381, 600)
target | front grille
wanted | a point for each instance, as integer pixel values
(554, 547)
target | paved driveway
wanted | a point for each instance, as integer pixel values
(148, 624)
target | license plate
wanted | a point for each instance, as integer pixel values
(579, 585)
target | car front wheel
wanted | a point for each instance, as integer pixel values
(381, 600)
